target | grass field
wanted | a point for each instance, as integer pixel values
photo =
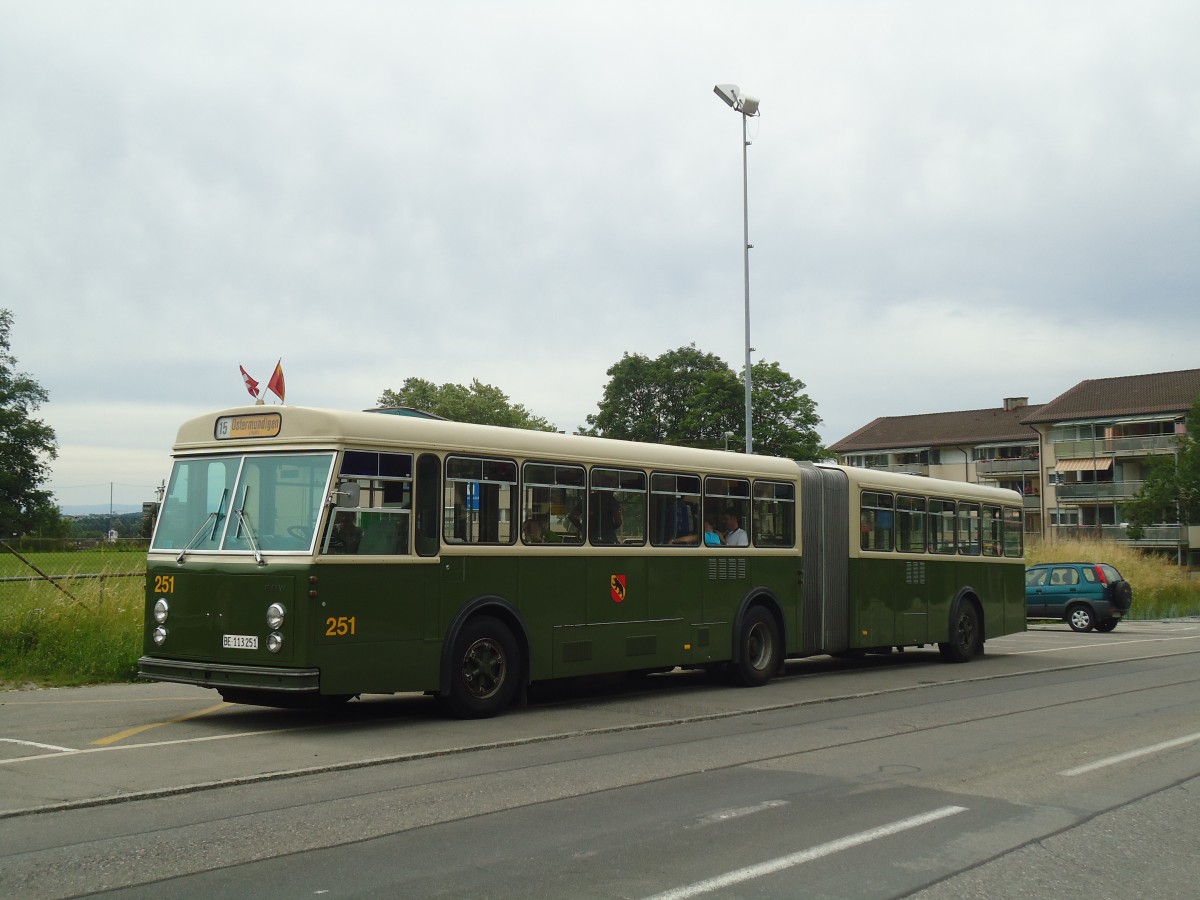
(88, 630)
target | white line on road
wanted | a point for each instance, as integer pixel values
(794, 859)
(1132, 754)
(36, 744)
(1101, 644)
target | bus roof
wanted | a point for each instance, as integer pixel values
(306, 428)
(292, 428)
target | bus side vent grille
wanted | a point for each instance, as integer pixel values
(725, 568)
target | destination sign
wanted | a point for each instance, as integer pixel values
(259, 425)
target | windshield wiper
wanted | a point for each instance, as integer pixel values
(243, 521)
(214, 517)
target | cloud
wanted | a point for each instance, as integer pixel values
(947, 201)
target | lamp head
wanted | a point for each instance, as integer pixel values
(733, 96)
(728, 92)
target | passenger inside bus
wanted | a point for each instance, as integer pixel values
(346, 534)
(734, 535)
(712, 537)
(607, 518)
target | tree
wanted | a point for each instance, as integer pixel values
(482, 404)
(693, 398)
(1171, 489)
(26, 447)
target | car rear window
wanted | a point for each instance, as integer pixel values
(1089, 574)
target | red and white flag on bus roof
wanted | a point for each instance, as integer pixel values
(276, 385)
(251, 384)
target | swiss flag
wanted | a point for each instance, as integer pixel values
(276, 385)
(251, 384)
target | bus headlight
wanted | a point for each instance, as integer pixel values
(275, 642)
(160, 610)
(275, 614)
(159, 635)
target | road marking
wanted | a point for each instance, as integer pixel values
(130, 732)
(1120, 643)
(786, 862)
(1132, 754)
(36, 744)
(724, 815)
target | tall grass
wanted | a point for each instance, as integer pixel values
(1161, 589)
(89, 632)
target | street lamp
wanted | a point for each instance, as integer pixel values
(747, 106)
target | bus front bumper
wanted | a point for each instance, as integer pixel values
(217, 675)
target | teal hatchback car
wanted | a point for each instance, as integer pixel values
(1084, 595)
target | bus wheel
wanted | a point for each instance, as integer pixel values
(966, 637)
(484, 669)
(759, 648)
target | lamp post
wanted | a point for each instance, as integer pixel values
(747, 106)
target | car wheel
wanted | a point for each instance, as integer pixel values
(1107, 625)
(1080, 618)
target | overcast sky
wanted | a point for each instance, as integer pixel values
(950, 203)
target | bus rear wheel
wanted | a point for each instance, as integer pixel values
(484, 669)
(759, 648)
(966, 635)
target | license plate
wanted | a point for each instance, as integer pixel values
(239, 641)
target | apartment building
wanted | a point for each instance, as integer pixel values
(1075, 459)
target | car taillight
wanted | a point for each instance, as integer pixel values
(1100, 575)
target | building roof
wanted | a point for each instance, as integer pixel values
(948, 429)
(1131, 395)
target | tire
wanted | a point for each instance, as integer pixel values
(966, 635)
(1081, 618)
(760, 649)
(484, 669)
(1122, 595)
(1107, 625)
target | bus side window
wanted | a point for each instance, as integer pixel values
(617, 507)
(941, 526)
(877, 529)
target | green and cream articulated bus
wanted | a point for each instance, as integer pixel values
(307, 555)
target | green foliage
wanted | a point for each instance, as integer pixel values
(693, 398)
(26, 447)
(90, 634)
(482, 404)
(1171, 490)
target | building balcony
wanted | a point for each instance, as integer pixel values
(1141, 445)
(987, 468)
(1099, 492)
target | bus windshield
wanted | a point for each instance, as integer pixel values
(244, 503)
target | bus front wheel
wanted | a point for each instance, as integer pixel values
(966, 635)
(484, 669)
(759, 648)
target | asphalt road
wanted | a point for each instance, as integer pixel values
(1060, 765)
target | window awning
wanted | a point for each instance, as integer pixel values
(1084, 465)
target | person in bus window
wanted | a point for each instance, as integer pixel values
(734, 535)
(346, 534)
(607, 519)
(535, 530)
(712, 537)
